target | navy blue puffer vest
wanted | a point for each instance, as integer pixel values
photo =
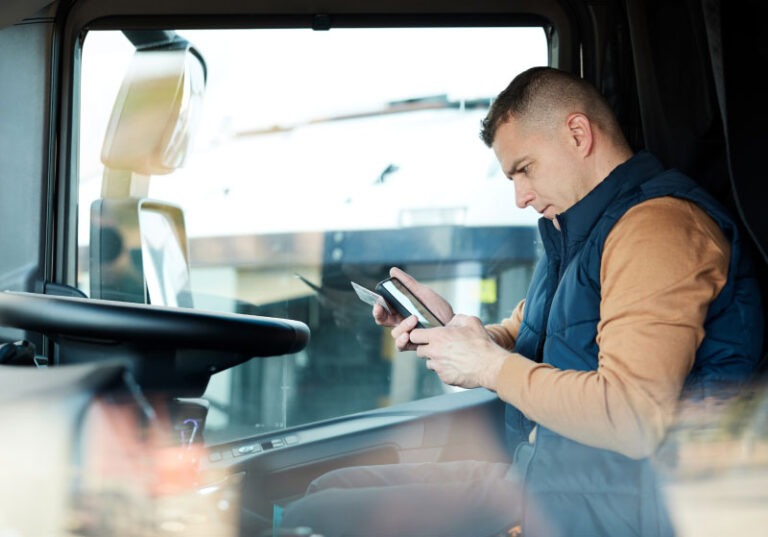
(580, 490)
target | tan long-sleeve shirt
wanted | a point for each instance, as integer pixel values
(663, 263)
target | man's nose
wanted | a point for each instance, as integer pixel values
(523, 194)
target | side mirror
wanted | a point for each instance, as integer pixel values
(156, 112)
(138, 246)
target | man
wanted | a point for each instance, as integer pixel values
(643, 294)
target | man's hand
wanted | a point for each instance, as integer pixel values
(401, 328)
(461, 353)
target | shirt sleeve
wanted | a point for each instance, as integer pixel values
(663, 263)
(505, 332)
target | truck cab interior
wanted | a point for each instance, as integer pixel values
(189, 188)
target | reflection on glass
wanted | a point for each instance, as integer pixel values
(164, 258)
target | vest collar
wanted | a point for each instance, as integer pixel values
(577, 222)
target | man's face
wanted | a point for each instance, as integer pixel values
(544, 166)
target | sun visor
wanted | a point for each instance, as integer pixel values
(15, 11)
(155, 112)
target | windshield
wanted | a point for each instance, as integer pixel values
(319, 159)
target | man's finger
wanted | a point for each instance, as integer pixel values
(403, 276)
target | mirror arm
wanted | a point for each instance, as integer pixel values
(124, 184)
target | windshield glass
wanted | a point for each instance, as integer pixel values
(321, 159)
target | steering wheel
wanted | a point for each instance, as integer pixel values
(167, 347)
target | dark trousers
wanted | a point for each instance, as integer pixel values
(446, 499)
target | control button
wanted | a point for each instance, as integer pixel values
(246, 450)
(214, 456)
(292, 439)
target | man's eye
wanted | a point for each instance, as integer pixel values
(523, 170)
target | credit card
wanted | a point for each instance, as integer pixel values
(369, 297)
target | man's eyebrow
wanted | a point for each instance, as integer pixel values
(514, 166)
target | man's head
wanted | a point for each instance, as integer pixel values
(555, 137)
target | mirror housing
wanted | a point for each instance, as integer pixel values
(155, 113)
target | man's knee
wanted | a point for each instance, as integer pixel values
(359, 477)
(339, 478)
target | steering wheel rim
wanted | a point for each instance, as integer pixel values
(151, 326)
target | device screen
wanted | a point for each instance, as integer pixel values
(413, 306)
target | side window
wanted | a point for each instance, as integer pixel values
(319, 159)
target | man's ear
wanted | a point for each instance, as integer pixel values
(580, 130)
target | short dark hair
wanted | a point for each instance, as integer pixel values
(539, 91)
